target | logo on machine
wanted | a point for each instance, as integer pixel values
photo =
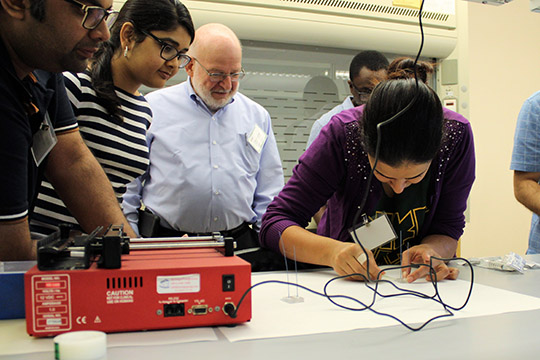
(164, 284)
(81, 320)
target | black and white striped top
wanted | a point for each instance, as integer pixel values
(120, 148)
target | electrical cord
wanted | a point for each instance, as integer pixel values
(406, 292)
(436, 297)
(378, 143)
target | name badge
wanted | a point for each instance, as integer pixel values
(375, 233)
(257, 138)
(43, 140)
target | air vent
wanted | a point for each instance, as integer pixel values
(341, 24)
(125, 282)
(371, 8)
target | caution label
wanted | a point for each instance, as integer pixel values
(120, 296)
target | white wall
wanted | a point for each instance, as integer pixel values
(504, 69)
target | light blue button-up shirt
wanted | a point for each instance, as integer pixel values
(526, 155)
(204, 174)
(325, 119)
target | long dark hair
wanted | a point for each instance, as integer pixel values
(413, 137)
(161, 15)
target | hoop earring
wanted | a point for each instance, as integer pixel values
(126, 51)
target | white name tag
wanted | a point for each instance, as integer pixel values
(375, 233)
(257, 138)
(43, 140)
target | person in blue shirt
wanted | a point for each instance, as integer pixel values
(214, 162)
(366, 70)
(38, 131)
(526, 165)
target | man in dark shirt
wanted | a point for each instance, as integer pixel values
(38, 132)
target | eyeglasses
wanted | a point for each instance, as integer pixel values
(93, 15)
(217, 77)
(169, 52)
(363, 95)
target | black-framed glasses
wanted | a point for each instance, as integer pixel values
(94, 15)
(362, 94)
(169, 52)
(217, 77)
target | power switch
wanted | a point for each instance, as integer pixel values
(228, 282)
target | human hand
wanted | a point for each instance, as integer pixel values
(421, 254)
(349, 258)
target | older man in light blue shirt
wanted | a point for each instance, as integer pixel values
(214, 162)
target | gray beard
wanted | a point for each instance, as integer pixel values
(211, 103)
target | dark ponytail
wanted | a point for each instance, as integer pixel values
(403, 68)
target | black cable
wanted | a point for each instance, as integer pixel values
(378, 143)
(406, 292)
(436, 297)
(433, 280)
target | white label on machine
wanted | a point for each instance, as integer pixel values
(190, 283)
(51, 302)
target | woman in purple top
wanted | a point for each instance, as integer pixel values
(422, 180)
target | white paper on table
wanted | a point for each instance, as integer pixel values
(272, 317)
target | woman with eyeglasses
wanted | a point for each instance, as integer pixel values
(147, 47)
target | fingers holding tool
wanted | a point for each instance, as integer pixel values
(346, 261)
(374, 269)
